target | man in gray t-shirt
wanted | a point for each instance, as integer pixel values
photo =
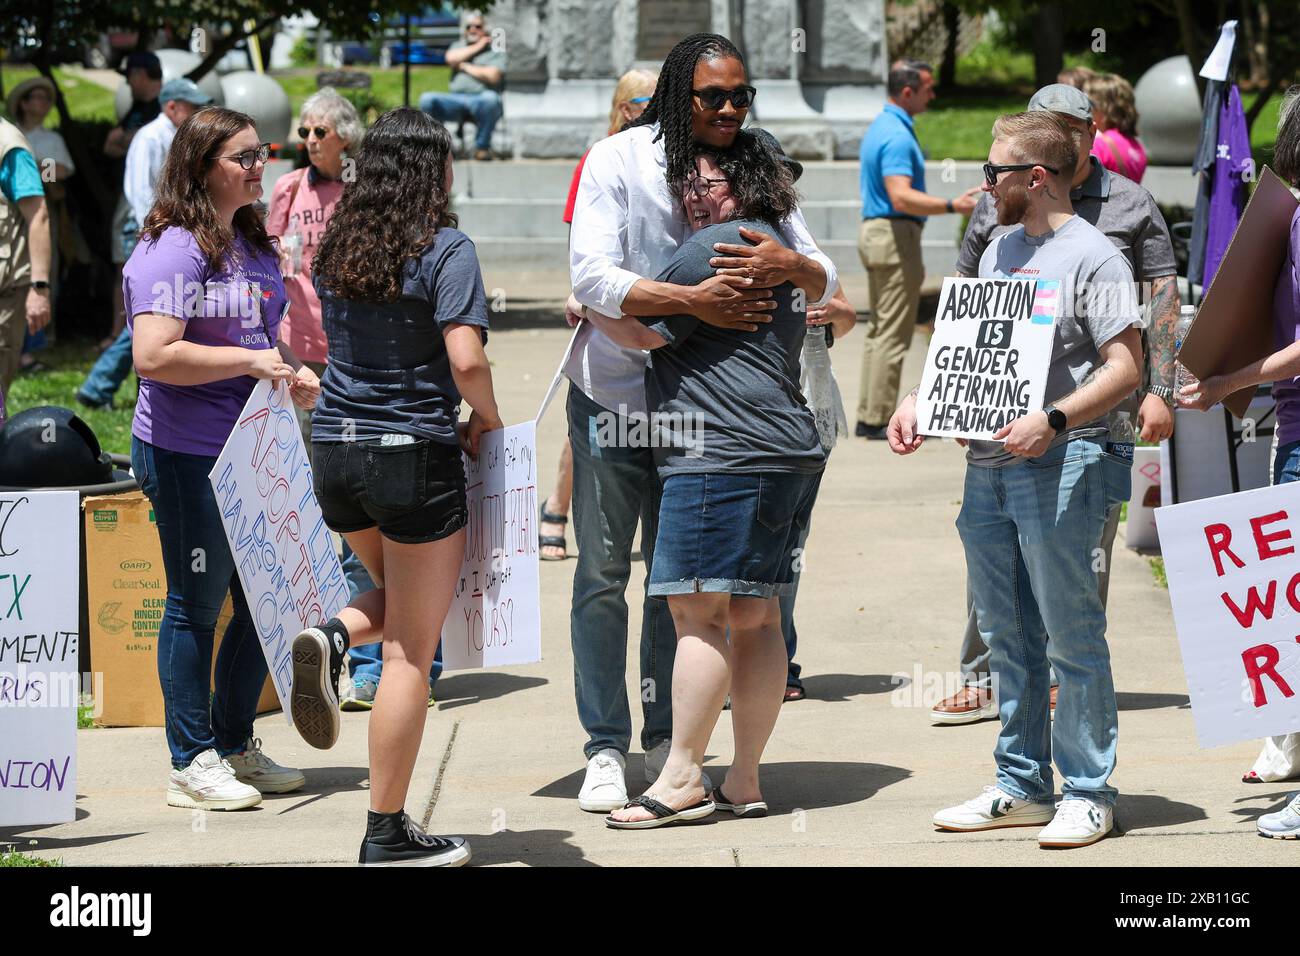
(1033, 509)
(478, 69)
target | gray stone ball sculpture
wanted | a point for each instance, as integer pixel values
(262, 98)
(1169, 111)
(175, 64)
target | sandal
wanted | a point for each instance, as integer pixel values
(552, 540)
(794, 692)
(663, 814)
(756, 809)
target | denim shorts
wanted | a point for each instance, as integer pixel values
(731, 533)
(414, 492)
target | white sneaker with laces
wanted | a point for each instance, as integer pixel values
(1078, 822)
(992, 810)
(604, 788)
(1283, 824)
(251, 766)
(655, 759)
(209, 783)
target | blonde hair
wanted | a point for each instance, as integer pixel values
(1040, 137)
(1113, 96)
(1075, 76)
(631, 84)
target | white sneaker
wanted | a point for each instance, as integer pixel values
(992, 810)
(209, 783)
(655, 759)
(604, 788)
(1283, 824)
(254, 767)
(1078, 822)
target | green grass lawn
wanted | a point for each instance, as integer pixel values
(68, 363)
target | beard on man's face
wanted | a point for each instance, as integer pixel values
(1013, 203)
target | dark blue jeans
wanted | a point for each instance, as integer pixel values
(366, 661)
(787, 601)
(200, 572)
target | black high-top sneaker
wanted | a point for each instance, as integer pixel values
(314, 700)
(394, 839)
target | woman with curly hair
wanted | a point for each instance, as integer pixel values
(1114, 110)
(739, 455)
(405, 319)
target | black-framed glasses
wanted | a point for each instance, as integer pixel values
(701, 185)
(320, 131)
(713, 98)
(993, 171)
(251, 157)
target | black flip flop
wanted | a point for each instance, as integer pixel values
(553, 540)
(663, 814)
(743, 810)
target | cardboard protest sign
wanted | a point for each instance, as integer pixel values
(1232, 570)
(39, 639)
(495, 617)
(987, 362)
(1234, 325)
(284, 554)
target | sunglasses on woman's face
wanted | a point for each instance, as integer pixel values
(713, 98)
(320, 131)
(251, 157)
(993, 171)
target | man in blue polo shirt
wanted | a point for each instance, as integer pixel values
(894, 207)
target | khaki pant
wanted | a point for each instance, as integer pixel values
(13, 325)
(890, 250)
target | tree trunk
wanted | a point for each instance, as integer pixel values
(224, 46)
(951, 29)
(1049, 42)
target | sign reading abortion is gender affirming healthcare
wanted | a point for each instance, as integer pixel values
(39, 638)
(283, 552)
(988, 359)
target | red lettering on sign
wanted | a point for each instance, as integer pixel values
(1219, 537)
(1264, 542)
(1260, 660)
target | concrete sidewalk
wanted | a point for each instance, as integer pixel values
(852, 774)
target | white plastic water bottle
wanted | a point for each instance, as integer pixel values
(820, 389)
(1185, 317)
(1122, 435)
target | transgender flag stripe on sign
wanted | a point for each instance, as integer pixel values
(1045, 301)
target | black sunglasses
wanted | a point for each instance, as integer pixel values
(320, 131)
(991, 171)
(251, 157)
(713, 98)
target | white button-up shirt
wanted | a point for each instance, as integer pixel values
(144, 161)
(627, 226)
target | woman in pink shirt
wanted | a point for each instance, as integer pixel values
(1115, 113)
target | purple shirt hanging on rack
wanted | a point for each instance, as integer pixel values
(1232, 166)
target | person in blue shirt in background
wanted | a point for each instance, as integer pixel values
(894, 207)
(25, 239)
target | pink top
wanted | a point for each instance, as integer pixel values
(302, 204)
(1120, 154)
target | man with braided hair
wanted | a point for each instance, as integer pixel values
(627, 224)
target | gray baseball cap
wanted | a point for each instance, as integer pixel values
(1062, 98)
(183, 89)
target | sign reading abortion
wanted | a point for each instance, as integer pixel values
(283, 552)
(1231, 566)
(495, 615)
(987, 363)
(39, 638)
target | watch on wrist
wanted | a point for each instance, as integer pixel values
(1055, 418)
(40, 284)
(948, 204)
(1164, 393)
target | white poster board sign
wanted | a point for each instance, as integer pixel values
(39, 637)
(988, 358)
(1233, 577)
(283, 552)
(1140, 528)
(495, 617)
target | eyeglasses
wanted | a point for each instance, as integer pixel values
(701, 185)
(251, 157)
(320, 131)
(992, 171)
(713, 98)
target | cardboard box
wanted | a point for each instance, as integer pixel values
(126, 591)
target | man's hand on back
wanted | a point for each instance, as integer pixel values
(732, 302)
(768, 263)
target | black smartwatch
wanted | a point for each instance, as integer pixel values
(40, 284)
(949, 205)
(1055, 418)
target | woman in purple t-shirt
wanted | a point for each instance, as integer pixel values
(204, 298)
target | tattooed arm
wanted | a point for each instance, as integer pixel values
(1156, 419)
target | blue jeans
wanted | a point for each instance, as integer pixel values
(366, 661)
(482, 109)
(1286, 465)
(613, 487)
(200, 571)
(1032, 533)
(109, 371)
(787, 601)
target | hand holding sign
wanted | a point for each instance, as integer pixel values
(1028, 436)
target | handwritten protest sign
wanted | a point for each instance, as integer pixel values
(283, 552)
(495, 617)
(1232, 570)
(39, 638)
(987, 363)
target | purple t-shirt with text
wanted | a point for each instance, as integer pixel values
(1286, 331)
(239, 305)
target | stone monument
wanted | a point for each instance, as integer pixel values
(819, 65)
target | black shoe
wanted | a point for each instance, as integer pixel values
(410, 846)
(314, 696)
(871, 432)
(88, 402)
